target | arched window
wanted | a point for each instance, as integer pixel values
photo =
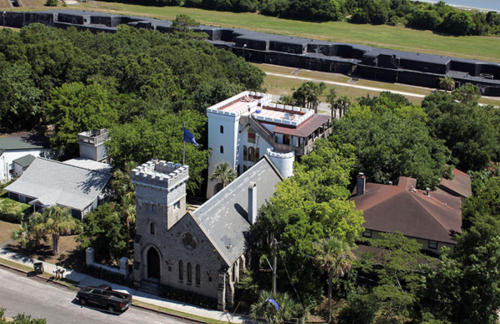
(152, 228)
(245, 153)
(221, 149)
(198, 274)
(221, 129)
(189, 272)
(181, 271)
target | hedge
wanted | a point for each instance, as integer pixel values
(13, 211)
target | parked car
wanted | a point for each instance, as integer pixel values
(106, 297)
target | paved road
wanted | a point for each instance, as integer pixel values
(20, 294)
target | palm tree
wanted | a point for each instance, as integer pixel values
(122, 182)
(307, 95)
(286, 100)
(57, 221)
(223, 173)
(30, 231)
(343, 103)
(447, 83)
(265, 311)
(330, 98)
(334, 257)
(129, 211)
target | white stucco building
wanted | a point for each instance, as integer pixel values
(11, 150)
(243, 128)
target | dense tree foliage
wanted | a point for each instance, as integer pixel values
(20, 319)
(142, 85)
(469, 131)
(438, 17)
(392, 140)
(306, 208)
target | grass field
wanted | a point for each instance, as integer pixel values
(399, 38)
(284, 86)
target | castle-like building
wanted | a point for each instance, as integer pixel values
(246, 127)
(200, 252)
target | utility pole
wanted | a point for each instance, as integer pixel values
(275, 263)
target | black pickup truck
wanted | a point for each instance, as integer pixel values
(106, 297)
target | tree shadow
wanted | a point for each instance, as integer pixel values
(73, 260)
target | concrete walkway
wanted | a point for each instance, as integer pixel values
(85, 280)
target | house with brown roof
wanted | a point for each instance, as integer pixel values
(432, 218)
(459, 186)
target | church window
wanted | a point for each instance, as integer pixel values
(245, 153)
(221, 149)
(181, 271)
(251, 136)
(189, 273)
(251, 153)
(221, 129)
(152, 228)
(198, 274)
(152, 208)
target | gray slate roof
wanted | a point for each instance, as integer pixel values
(223, 218)
(53, 182)
(9, 144)
(24, 161)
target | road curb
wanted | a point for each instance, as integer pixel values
(38, 276)
(167, 313)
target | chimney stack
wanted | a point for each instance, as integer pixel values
(252, 202)
(361, 184)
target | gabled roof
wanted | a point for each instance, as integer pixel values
(25, 161)
(459, 186)
(223, 218)
(388, 208)
(9, 144)
(53, 182)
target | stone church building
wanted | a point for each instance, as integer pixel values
(200, 252)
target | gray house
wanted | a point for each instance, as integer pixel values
(49, 182)
(200, 252)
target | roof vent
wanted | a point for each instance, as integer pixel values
(389, 183)
(428, 192)
(412, 189)
(361, 184)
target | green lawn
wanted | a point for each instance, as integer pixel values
(399, 38)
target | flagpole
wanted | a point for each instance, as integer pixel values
(184, 149)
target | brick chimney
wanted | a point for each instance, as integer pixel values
(361, 184)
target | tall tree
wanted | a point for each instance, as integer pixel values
(223, 173)
(334, 257)
(330, 98)
(468, 94)
(58, 221)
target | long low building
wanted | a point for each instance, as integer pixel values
(72, 185)
(355, 60)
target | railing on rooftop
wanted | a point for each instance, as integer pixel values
(93, 139)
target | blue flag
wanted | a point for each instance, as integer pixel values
(189, 137)
(272, 301)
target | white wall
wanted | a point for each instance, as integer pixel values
(8, 157)
(228, 139)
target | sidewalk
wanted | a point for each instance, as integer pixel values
(85, 280)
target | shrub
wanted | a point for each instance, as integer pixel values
(51, 3)
(13, 211)
(189, 298)
(103, 274)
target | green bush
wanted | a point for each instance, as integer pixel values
(103, 274)
(13, 211)
(51, 3)
(189, 298)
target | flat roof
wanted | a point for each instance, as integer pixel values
(305, 129)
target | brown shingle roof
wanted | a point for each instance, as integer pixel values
(389, 208)
(459, 186)
(305, 129)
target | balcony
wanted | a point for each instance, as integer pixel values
(93, 137)
(304, 149)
